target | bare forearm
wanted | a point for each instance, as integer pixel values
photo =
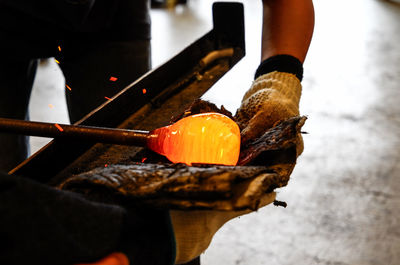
(287, 27)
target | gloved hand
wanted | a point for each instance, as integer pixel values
(116, 258)
(272, 98)
(195, 229)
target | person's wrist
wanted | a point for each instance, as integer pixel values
(282, 63)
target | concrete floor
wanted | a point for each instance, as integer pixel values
(343, 197)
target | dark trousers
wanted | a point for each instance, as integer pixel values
(87, 67)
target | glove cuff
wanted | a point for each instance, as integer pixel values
(281, 63)
(194, 231)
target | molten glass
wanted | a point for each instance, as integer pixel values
(207, 138)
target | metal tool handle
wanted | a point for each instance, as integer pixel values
(76, 132)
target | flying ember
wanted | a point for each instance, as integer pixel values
(207, 138)
(59, 127)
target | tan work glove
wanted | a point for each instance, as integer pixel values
(272, 98)
(195, 229)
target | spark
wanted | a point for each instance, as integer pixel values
(144, 159)
(68, 87)
(107, 98)
(57, 61)
(59, 127)
(113, 79)
(144, 90)
(59, 48)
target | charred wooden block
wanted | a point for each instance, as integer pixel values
(179, 186)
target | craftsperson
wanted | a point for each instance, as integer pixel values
(93, 40)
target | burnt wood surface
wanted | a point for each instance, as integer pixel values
(179, 186)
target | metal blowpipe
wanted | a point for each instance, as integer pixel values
(209, 138)
(77, 132)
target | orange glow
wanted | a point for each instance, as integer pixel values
(59, 127)
(107, 98)
(113, 79)
(207, 138)
(51, 106)
(144, 90)
(59, 48)
(68, 87)
(144, 159)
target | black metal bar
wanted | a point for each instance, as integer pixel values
(228, 19)
(75, 132)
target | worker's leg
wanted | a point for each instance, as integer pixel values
(97, 71)
(16, 80)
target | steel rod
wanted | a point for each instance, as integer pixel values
(76, 132)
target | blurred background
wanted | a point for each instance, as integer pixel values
(343, 197)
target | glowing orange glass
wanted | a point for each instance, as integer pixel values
(208, 138)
